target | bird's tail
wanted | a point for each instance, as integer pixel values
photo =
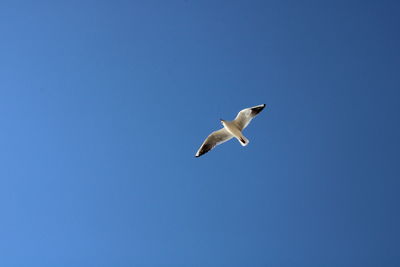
(243, 141)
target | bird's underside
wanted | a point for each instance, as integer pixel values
(230, 130)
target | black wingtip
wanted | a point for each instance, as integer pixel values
(257, 109)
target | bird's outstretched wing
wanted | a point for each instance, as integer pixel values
(214, 139)
(245, 116)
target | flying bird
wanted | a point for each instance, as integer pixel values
(231, 129)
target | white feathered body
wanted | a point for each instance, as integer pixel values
(233, 128)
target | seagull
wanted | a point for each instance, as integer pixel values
(231, 129)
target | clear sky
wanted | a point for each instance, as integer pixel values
(103, 105)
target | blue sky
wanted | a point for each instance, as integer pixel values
(103, 105)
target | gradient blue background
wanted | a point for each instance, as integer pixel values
(103, 105)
